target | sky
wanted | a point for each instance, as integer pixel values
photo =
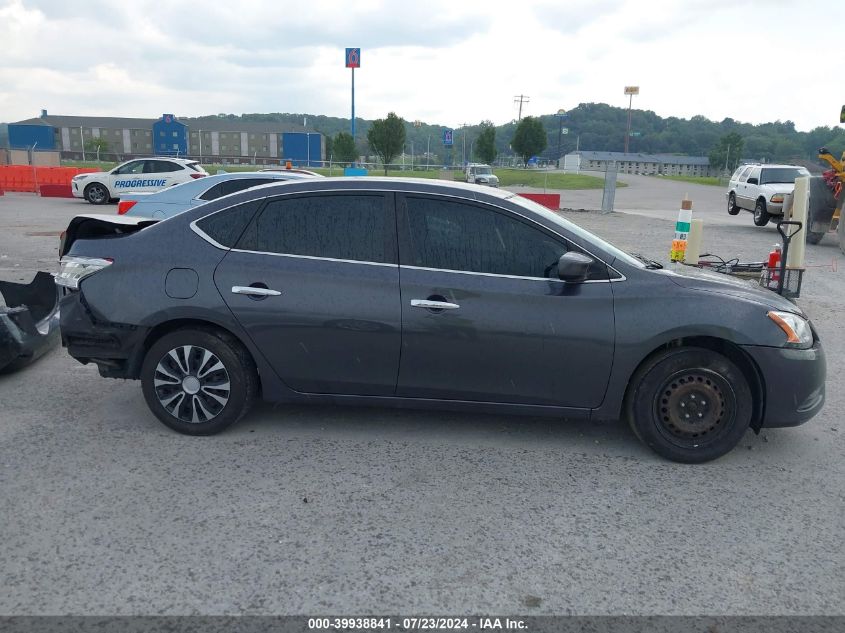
(444, 62)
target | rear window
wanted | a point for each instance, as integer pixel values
(226, 227)
(195, 166)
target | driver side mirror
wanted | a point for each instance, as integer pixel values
(753, 181)
(573, 267)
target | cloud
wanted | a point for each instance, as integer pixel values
(439, 60)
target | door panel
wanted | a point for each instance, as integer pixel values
(511, 340)
(335, 326)
(519, 334)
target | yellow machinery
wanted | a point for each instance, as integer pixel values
(826, 210)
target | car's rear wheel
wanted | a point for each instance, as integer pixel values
(198, 382)
(690, 404)
(732, 208)
(761, 216)
(96, 193)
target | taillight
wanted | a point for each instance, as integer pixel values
(124, 205)
(198, 175)
(72, 270)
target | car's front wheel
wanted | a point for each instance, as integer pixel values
(761, 216)
(690, 404)
(198, 382)
(96, 193)
(732, 208)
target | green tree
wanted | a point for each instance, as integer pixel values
(485, 146)
(96, 145)
(727, 152)
(387, 137)
(529, 139)
(329, 144)
(344, 148)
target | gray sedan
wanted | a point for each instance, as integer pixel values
(401, 292)
(172, 200)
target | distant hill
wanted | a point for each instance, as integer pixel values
(601, 127)
(4, 135)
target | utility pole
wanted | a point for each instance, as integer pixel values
(630, 91)
(464, 143)
(520, 99)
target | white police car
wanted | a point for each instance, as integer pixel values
(140, 174)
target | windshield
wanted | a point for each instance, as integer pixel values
(590, 238)
(484, 171)
(781, 174)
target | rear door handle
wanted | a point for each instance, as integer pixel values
(433, 305)
(256, 292)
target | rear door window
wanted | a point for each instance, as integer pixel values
(164, 166)
(356, 227)
(744, 176)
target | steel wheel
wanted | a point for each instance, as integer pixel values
(694, 407)
(192, 384)
(96, 193)
(689, 404)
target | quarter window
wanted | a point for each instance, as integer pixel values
(451, 235)
(353, 227)
(226, 226)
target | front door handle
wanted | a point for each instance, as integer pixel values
(255, 291)
(433, 305)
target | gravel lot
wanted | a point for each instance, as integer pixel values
(315, 510)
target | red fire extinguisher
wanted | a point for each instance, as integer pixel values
(774, 267)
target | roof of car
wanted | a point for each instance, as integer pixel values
(771, 165)
(383, 183)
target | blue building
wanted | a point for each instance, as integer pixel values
(170, 136)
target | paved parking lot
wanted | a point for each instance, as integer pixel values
(314, 510)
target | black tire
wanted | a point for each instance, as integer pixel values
(199, 410)
(814, 237)
(761, 216)
(690, 381)
(732, 208)
(96, 193)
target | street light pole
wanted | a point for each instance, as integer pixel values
(630, 91)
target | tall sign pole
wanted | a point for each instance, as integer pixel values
(561, 115)
(353, 61)
(630, 91)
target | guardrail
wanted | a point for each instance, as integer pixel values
(28, 179)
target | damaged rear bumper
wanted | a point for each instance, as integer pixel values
(29, 322)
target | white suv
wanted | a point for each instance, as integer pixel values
(761, 189)
(141, 174)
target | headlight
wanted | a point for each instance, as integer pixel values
(778, 197)
(75, 269)
(796, 328)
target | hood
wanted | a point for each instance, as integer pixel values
(90, 175)
(778, 187)
(747, 289)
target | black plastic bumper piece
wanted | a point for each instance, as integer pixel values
(794, 383)
(29, 322)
